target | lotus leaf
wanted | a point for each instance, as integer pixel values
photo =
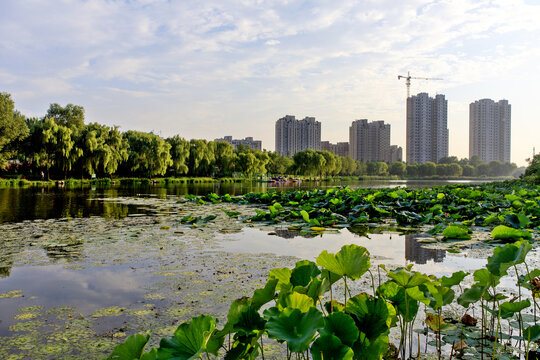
(189, 340)
(298, 329)
(471, 295)
(455, 279)
(295, 300)
(372, 315)
(507, 256)
(456, 232)
(517, 221)
(263, 296)
(303, 272)
(532, 333)
(367, 349)
(342, 326)
(503, 232)
(283, 275)
(329, 347)
(131, 349)
(351, 261)
(508, 309)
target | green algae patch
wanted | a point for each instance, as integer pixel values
(28, 326)
(11, 294)
(110, 311)
(26, 316)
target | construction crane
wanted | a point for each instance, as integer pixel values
(408, 81)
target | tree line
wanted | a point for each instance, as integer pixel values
(61, 145)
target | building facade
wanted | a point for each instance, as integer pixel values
(427, 128)
(248, 141)
(340, 149)
(369, 141)
(489, 130)
(296, 135)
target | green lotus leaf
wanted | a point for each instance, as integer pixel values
(298, 329)
(407, 308)
(455, 279)
(532, 333)
(507, 256)
(284, 278)
(351, 261)
(131, 349)
(263, 296)
(517, 221)
(342, 326)
(237, 308)
(508, 309)
(503, 232)
(189, 340)
(471, 295)
(243, 348)
(371, 314)
(456, 232)
(367, 349)
(303, 272)
(485, 278)
(329, 347)
(295, 300)
(334, 306)
(406, 279)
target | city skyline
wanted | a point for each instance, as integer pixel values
(196, 69)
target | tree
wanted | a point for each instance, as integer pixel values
(224, 157)
(455, 170)
(348, 165)
(448, 160)
(70, 116)
(532, 173)
(201, 158)
(13, 129)
(331, 164)
(468, 170)
(278, 164)
(427, 169)
(308, 162)
(148, 153)
(397, 168)
(179, 155)
(103, 147)
(412, 170)
(377, 168)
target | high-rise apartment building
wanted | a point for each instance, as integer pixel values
(296, 135)
(340, 149)
(427, 129)
(489, 130)
(369, 141)
(248, 141)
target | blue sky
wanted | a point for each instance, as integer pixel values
(214, 68)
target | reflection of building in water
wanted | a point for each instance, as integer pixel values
(414, 251)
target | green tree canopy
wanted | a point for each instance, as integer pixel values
(13, 129)
(179, 155)
(71, 116)
(148, 153)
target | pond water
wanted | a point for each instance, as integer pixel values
(82, 268)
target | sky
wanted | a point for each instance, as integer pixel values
(206, 69)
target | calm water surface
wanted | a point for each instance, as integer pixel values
(77, 278)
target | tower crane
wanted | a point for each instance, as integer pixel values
(408, 81)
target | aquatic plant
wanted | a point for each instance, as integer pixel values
(303, 312)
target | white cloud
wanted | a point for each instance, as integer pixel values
(218, 60)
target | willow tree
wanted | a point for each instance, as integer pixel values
(13, 129)
(148, 154)
(104, 149)
(179, 155)
(201, 158)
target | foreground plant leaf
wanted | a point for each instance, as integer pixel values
(132, 349)
(296, 328)
(351, 261)
(189, 340)
(373, 316)
(456, 232)
(503, 232)
(507, 256)
(341, 325)
(329, 347)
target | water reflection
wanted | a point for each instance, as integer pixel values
(28, 203)
(416, 253)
